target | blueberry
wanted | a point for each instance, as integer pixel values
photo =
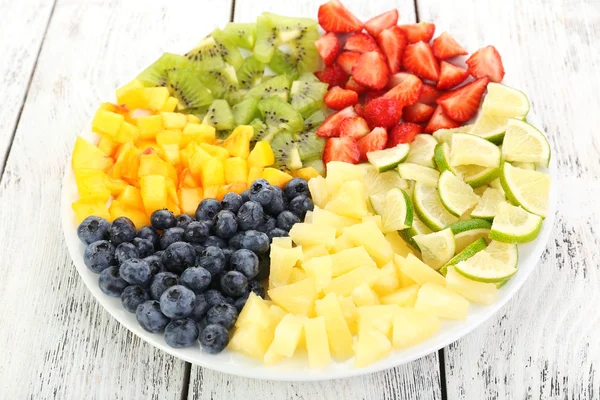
(215, 241)
(149, 233)
(144, 247)
(121, 230)
(125, 251)
(207, 209)
(171, 236)
(264, 267)
(277, 232)
(197, 279)
(232, 202)
(257, 287)
(277, 204)
(234, 283)
(214, 297)
(93, 229)
(236, 241)
(244, 261)
(197, 232)
(99, 255)
(286, 220)
(240, 302)
(177, 302)
(300, 205)
(163, 219)
(212, 259)
(256, 241)
(133, 296)
(214, 338)
(150, 317)
(136, 271)
(223, 314)
(215, 283)
(181, 333)
(225, 224)
(111, 283)
(268, 224)
(296, 187)
(155, 263)
(200, 308)
(245, 195)
(161, 282)
(250, 215)
(261, 192)
(178, 256)
(184, 220)
(227, 252)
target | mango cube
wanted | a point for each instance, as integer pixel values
(276, 177)
(91, 184)
(131, 196)
(169, 136)
(173, 120)
(127, 133)
(134, 84)
(306, 173)
(154, 192)
(107, 122)
(115, 186)
(107, 145)
(189, 198)
(198, 133)
(187, 180)
(297, 298)
(238, 142)
(87, 156)
(412, 326)
(261, 155)
(238, 188)
(138, 217)
(84, 208)
(215, 151)
(172, 154)
(170, 105)
(317, 342)
(128, 163)
(149, 125)
(193, 119)
(254, 173)
(236, 170)
(213, 172)
(152, 164)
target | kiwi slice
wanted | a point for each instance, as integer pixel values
(307, 97)
(289, 28)
(156, 74)
(251, 73)
(245, 111)
(229, 51)
(283, 64)
(219, 115)
(206, 55)
(314, 120)
(241, 34)
(317, 164)
(220, 82)
(261, 131)
(266, 39)
(275, 86)
(310, 146)
(308, 77)
(304, 51)
(280, 114)
(285, 151)
(187, 88)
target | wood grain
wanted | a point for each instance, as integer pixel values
(544, 343)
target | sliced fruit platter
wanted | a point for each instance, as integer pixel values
(326, 196)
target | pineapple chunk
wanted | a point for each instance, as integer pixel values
(343, 285)
(363, 295)
(350, 259)
(370, 347)
(317, 342)
(286, 338)
(388, 281)
(328, 218)
(131, 197)
(193, 119)
(261, 155)
(276, 177)
(297, 298)
(85, 208)
(254, 313)
(236, 170)
(88, 156)
(418, 271)
(297, 275)
(308, 217)
(154, 192)
(238, 142)
(251, 340)
(319, 269)
(349, 201)
(173, 120)
(107, 122)
(405, 280)
(404, 297)
(369, 235)
(441, 302)
(285, 242)
(343, 242)
(319, 191)
(318, 250)
(477, 292)
(149, 125)
(254, 173)
(374, 218)
(338, 332)
(309, 234)
(134, 84)
(377, 317)
(350, 312)
(340, 172)
(413, 326)
(189, 198)
(399, 246)
(282, 262)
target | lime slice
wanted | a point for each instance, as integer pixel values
(505, 252)
(441, 158)
(421, 150)
(376, 182)
(436, 248)
(417, 228)
(395, 208)
(482, 267)
(429, 208)
(514, 225)
(490, 127)
(465, 254)
(467, 149)
(504, 100)
(524, 165)
(456, 195)
(469, 231)
(480, 190)
(384, 160)
(529, 189)
(377, 202)
(497, 185)
(444, 135)
(486, 208)
(419, 173)
(477, 176)
(523, 142)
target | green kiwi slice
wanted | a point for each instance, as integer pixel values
(308, 77)
(310, 146)
(187, 88)
(229, 51)
(245, 111)
(220, 82)
(261, 131)
(251, 73)
(285, 151)
(307, 97)
(317, 164)
(276, 86)
(267, 39)
(219, 115)
(283, 64)
(206, 55)
(289, 28)
(304, 51)
(280, 114)
(314, 120)
(242, 34)
(156, 74)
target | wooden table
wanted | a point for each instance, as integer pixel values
(61, 58)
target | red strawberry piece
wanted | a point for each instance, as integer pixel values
(439, 120)
(334, 17)
(407, 92)
(352, 85)
(359, 109)
(328, 47)
(486, 62)
(383, 111)
(332, 74)
(392, 42)
(337, 98)
(451, 75)
(341, 149)
(373, 94)
(419, 59)
(375, 140)
(330, 127)
(361, 43)
(462, 104)
(444, 46)
(417, 113)
(371, 70)
(404, 132)
(354, 127)
(423, 31)
(346, 60)
(429, 95)
(397, 79)
(383, 21)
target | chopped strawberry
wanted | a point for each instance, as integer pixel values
(404, 132)
(352, 85)
(334, 17)
(383, 21)
(462, 104)
(486, 62)
(397, 79)
(444, 46)
(417, 113)
(337, 98)
(451, 75)
(346, 60)
(439, 120)
(328, 47)
(371, 70)
(354, 127)
(332, 74)
(407, 92)
(429, 95)
(361, 43)
(383, 111)
(423, 31)
(330, 127)
(341, 149)
(392, 42)
(419, 59)
(376, 140)
(373, 94)
(359, 109)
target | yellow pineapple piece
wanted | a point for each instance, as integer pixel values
(169, 136)
(376, 317)
(308, 217)
(87, 156)
(297, 275)
(343, 285)
(399, 246)
(388, 282)
(215, 151)
(363, 295)
(131, 196)
(349, 201)
(254, 173)
(276, 177)
(349, 259)
(173, 120)
(317, 250)
(297, 298)
(405, 280)
(374, 218)
(369, 235)
(107, 145)
(441, 302)
(477, 292)
(198, 133)
(340, 172)
(127, 133)
(84, 208)
(170, 105)
(261, 155)
(319, 269)
(338, 332)
(309, 234)
(282, 261)
(91, 184)
(404, 297)
(107, 122)
(341, 243)
(213, 172)
(412, 327)
(317, 342)
(370, 347)
(154, 192)
(254, 313)
(319, 191)
(306, 173)
(149, 125)
(418, 271)
(285, 242)
(236, 170)
(255, 328)
(285, 340)
(328, 218)
(350, 312)
(189, 198)
(238, 142)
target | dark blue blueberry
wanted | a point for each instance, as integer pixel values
(163, 219)
(121, 230)
(232, 202)
(215, 284)
(268, 224)
(250, 215)
(155, 263)
(184, 220)
(99, 255)
(264, 267)
(225, 224)
(296, 187)
(240, 302)
(244, 261)
(197, 279)
(215, 241)
(207, 209)
(136, 271)
(227, 252)
(261, 192)
(214, 338)
(256, 241)
(126, 251)
(277, 204)
(144, 246)
(245, 195)
(178, 256)
(236, 241)
(111, 283)
(286, 220)
(161, 282)
(223, 314)
(177, 302)
(257, 287)
(212, 259)
(200, 308)
(149, 233)
(277, 232)
(133, 296)
(214, 297)
(150, 317)
(171, 236)
(234, 283)
(300, 205)
(197, 231)
(181, 333)
(93, 229)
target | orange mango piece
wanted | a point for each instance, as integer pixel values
(213, 172)
(238, 142)
(108, 145)
(261, 155)
(236, 170)
(91, 184)
(306, 173)
(187, 180)
(149, 125)
(254, 173)
(199, 133)
(210, 192)
(131, 196)
(276, 177)
(154, 192)
(189, 198)
(88, 156)
(138, 217)
(85, 208)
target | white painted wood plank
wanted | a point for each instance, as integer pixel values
(56, 341)
(544, 343)
(417, 380)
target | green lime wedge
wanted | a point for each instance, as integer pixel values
(465, 254)
(376, 182)
(468, 231)
(387, 159)
(524, 165)
(513, 224)
(504, 100)
(436, 248)
(419, 173)
(527, 188)
(430, 209)
(523, 142)
(482, 267)
(444, 135)
(456, 195)
(467, 149)
(488, 203)
(421, 150)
